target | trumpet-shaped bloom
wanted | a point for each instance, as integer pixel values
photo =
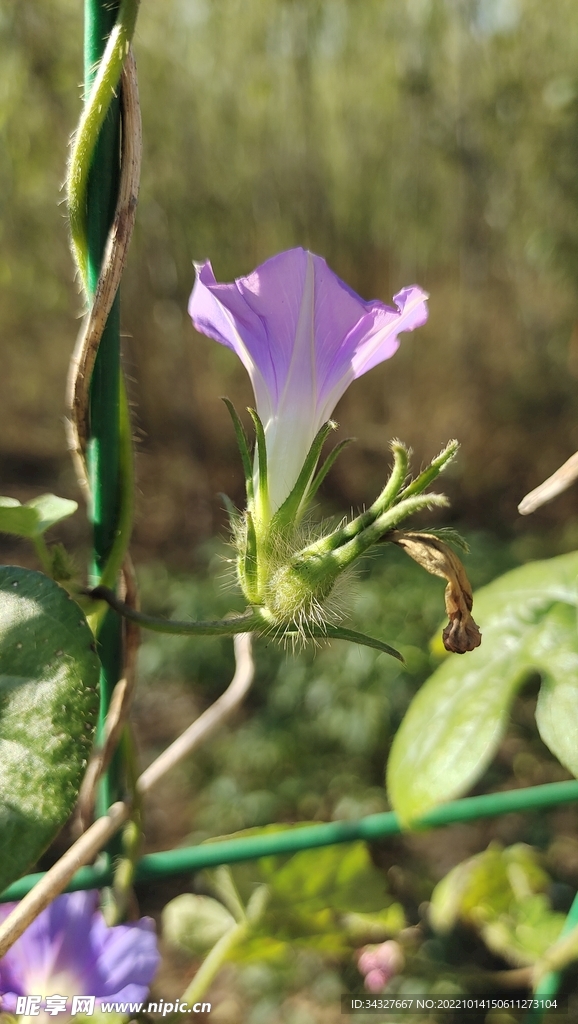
(303, 336)
(68, 950)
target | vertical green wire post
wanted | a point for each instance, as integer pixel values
(103, 445)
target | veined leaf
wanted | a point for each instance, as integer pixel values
(456, 721)
(556, 656)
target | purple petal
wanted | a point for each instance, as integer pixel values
(55, 942)
(125, 956)
(303, 335)
(70, 940)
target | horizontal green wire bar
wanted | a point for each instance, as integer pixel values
(307, 837)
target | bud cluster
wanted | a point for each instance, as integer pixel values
(288, 575)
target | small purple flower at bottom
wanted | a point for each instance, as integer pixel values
(378, 964)
(69, 950)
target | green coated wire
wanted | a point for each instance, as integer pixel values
(93, 192)
(307, 837)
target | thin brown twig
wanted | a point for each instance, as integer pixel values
(98, 834)
(203, 726)
(556, 484)
(82, 852)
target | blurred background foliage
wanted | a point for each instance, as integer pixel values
(405, 140)
(428, 141)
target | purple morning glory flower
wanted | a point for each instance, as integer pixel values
(303, 336)
(69, 950)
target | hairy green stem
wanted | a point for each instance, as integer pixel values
(43, 553)
(251, 621)
(213, 962)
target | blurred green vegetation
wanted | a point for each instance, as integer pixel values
(405, 140)
(312, 739)
(310, 743)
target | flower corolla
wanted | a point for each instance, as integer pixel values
(303, 336)
(69, 950)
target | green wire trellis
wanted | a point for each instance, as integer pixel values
(103, 442)
(94, 188)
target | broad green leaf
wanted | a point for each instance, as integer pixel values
(34, 518)
(524, 934)
(50, 509)
(483, 886)
(48, 706)
(556, 655)
(16, 518)
(195, 923)
(501, 894)
(331, 899)
(457, 719)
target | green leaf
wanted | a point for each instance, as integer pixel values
(456, 721)
(331, 899)
(501, 894)
(48, 707)
(51, 509)
(556, 655)
(194, 924)
(483, 886)
(34, 518)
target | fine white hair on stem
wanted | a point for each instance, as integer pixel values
(84, 850)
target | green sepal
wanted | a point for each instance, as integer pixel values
(328, 632)
(386, 498)
(449, 536)
(394, 484)
(343, 547)
(289, 510)
(250, 565)
(243, 446)
(329, 461)
(433, 470)
(388, 495)
(263, 495)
